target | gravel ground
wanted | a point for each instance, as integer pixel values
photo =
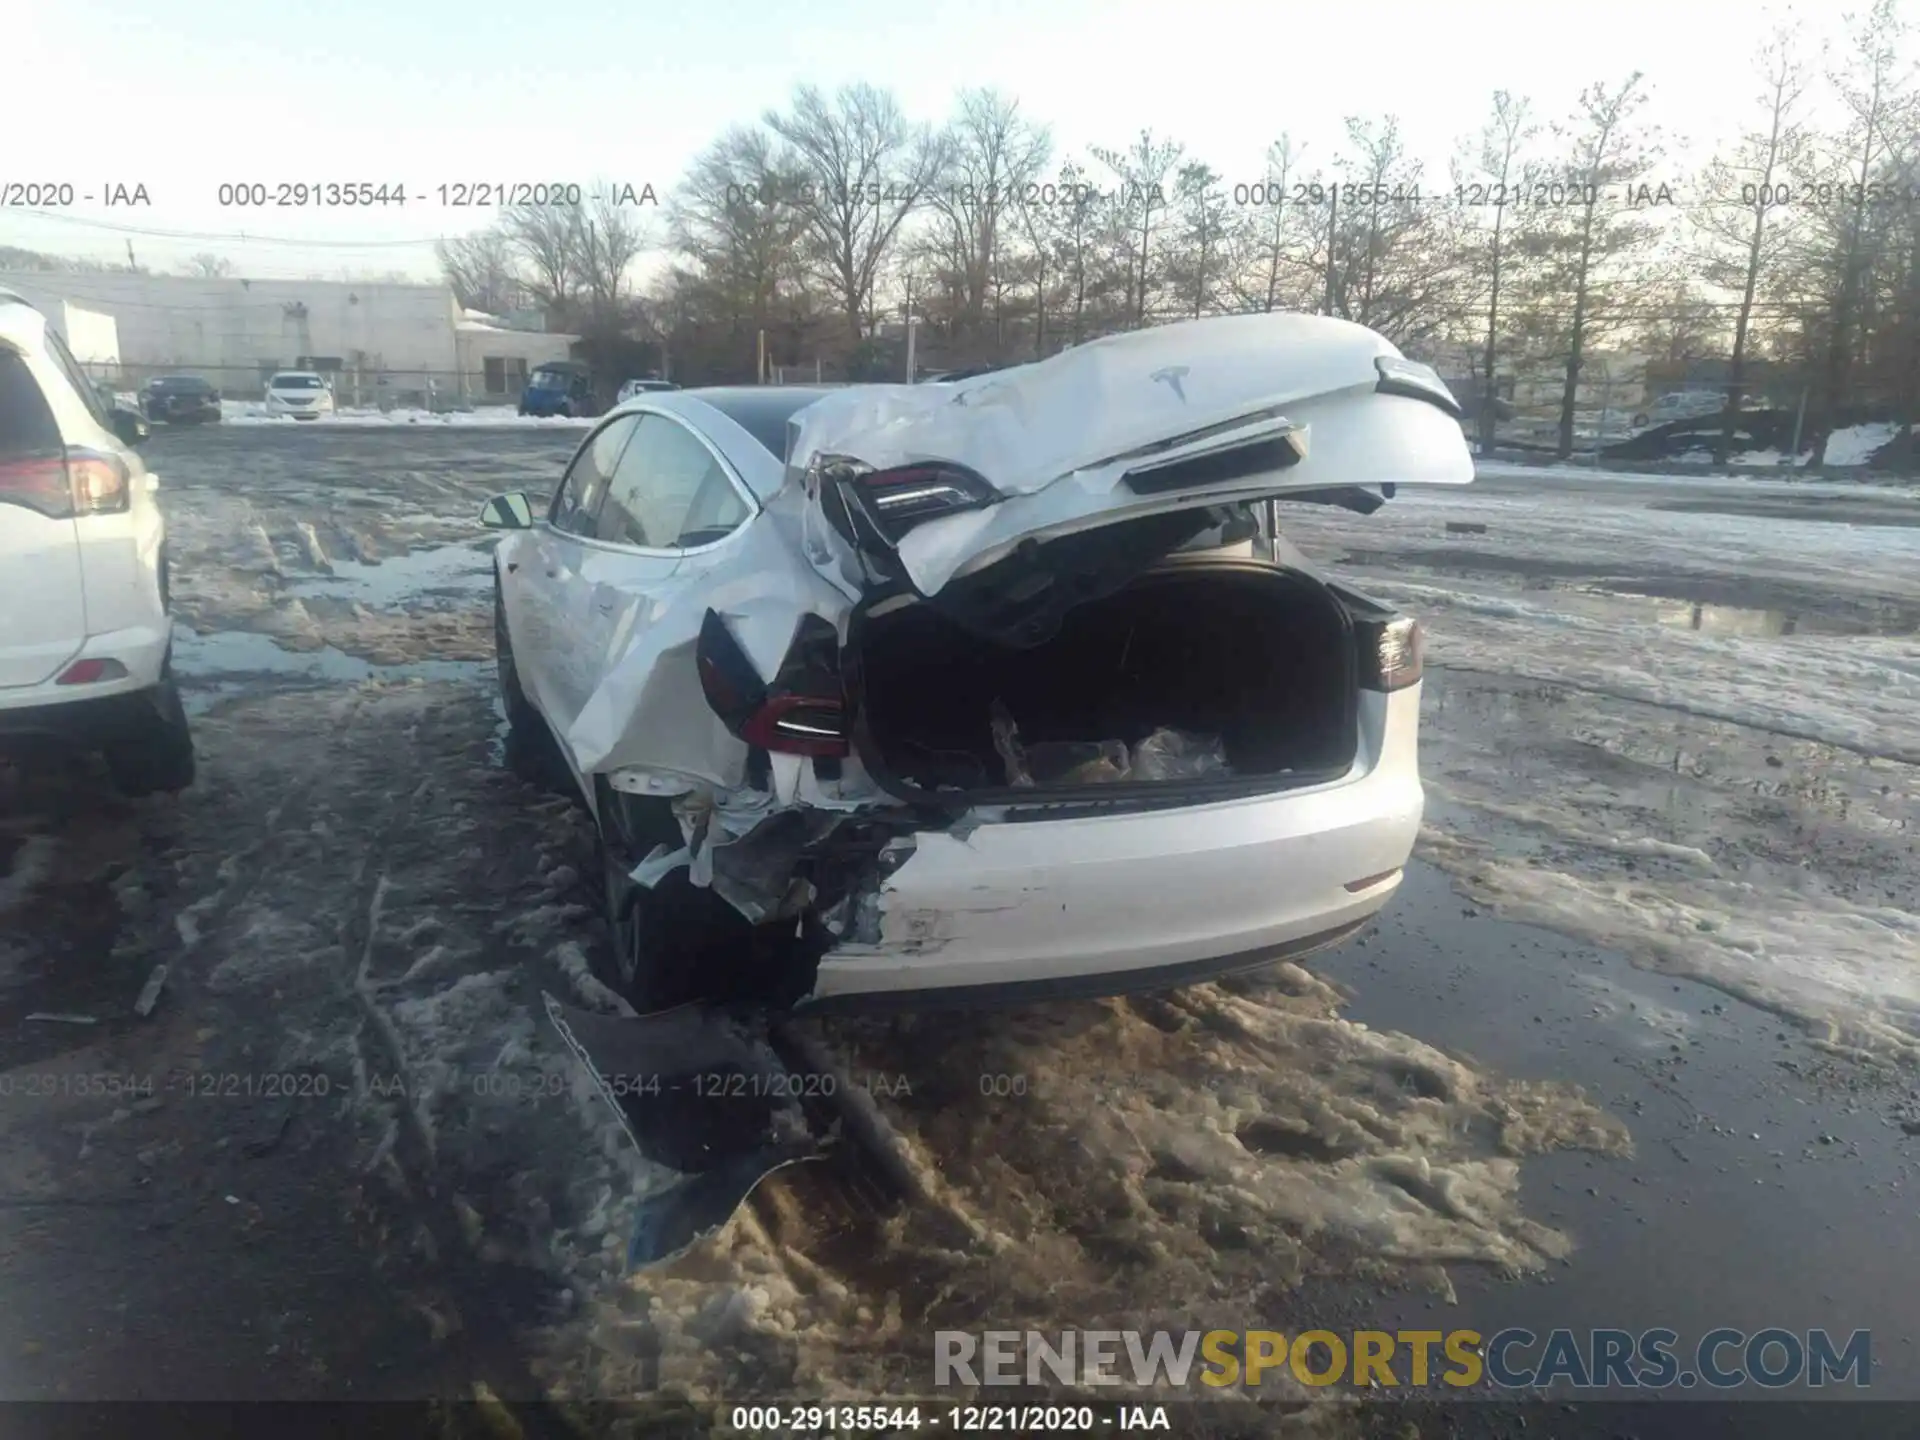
(345, 1156)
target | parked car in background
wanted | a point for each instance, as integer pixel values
(303, 394)
(874, 694)
(1679, 405)
(641, 387)
(128, 422)
(559, 387)
(181, 400)
(85, 639)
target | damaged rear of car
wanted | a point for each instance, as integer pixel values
(999, 689)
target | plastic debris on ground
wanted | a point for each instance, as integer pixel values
(1163, 755)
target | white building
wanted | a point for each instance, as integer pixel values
(380, 340)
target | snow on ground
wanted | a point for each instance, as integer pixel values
(1173, 1162)
(254, 412)
(1854, 445)
(1687, 733)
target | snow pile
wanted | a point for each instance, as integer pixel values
(1723, 786)
(1857, 443)
(1176, 1162)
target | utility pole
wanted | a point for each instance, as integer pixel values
(910, 327)
(1333, 216)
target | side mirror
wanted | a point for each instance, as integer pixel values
(507, 512)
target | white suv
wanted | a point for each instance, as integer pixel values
(84, 631)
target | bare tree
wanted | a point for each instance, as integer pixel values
(1490, 181)
(1200, 258)
(1743, 220)
(1142, 173)
(1067, 224)
(610, 238)
(481, 270)
(1391, 263)
(866, 170)
(733, 220)
(1872, 86)
(994, 157)
(1587, 238)
(545, 240)
(207, 266)
(1274, 235)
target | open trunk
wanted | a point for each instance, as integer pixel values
(1214, 674)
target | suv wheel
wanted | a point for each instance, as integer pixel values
(159, 757)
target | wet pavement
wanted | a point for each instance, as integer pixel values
(343, 1157)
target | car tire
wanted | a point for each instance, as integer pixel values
(1639, 420)
(675, 943)
(160, 757)
(521, 716)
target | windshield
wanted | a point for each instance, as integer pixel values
(551, 380)
(298, 382)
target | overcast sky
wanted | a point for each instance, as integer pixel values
(180, 98)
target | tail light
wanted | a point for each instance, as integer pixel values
(80, 482)
(91, 672)
(803, 712)
(1392, 653)
(101, 482)
(896, 500)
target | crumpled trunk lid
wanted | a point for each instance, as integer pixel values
(1096, 437)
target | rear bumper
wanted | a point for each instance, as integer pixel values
(90, 722)
(1107, 904)
(87, 716)
(184, 412)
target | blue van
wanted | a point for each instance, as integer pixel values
(559, 387)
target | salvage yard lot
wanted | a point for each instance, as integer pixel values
(355, 1161)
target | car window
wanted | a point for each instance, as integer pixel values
(78, 378)
(669, 492)
(578, 500)
(296, 382)
(28, 430)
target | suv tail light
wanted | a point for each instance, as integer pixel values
(79, 482)
(802, 712)
(100, 482)
(1392, 652)
(896, 500)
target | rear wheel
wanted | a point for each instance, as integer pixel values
(160, 756)
(674, 942)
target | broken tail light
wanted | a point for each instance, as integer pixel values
(78, 482)
(803, 712)
(1392, 652)
(896, 500)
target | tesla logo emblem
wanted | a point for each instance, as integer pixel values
(1172, 375)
